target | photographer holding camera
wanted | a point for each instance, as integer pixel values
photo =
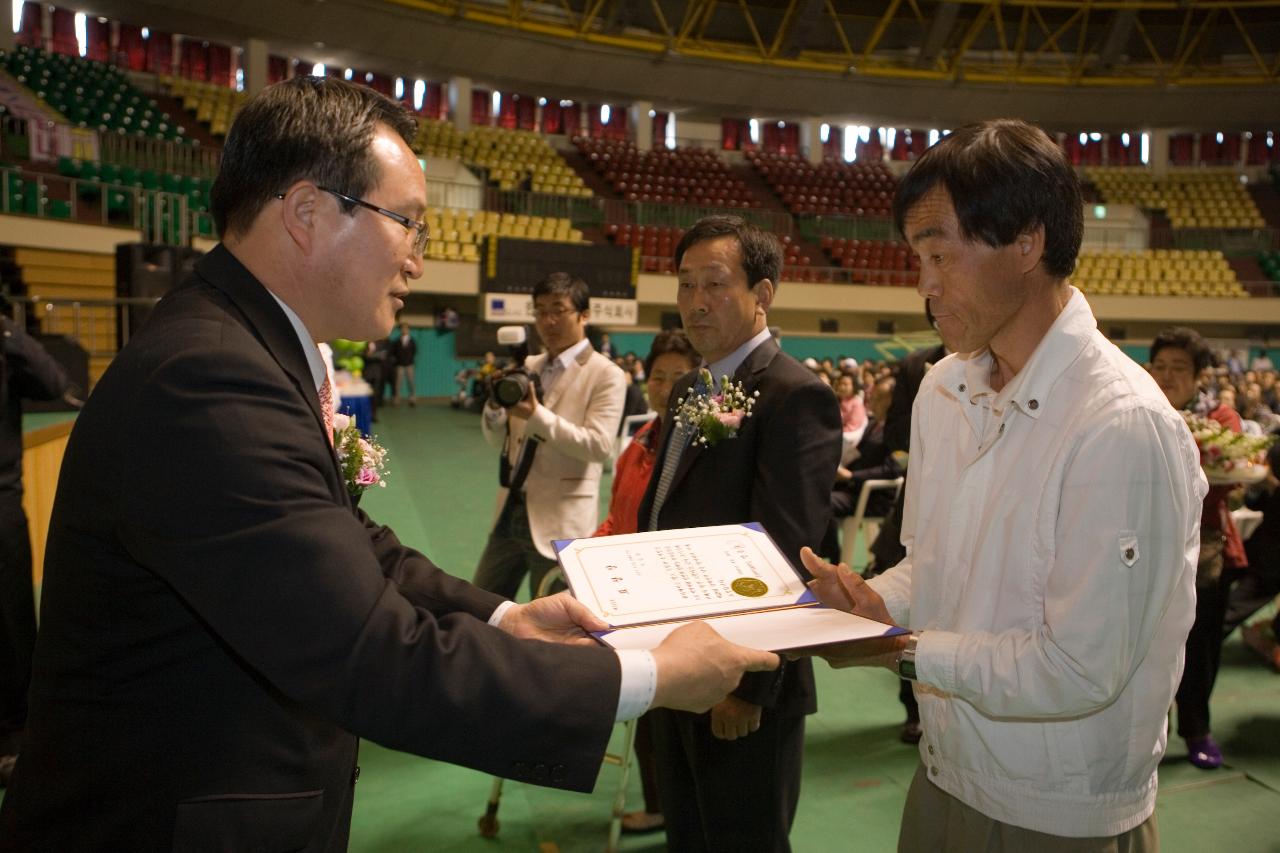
(554, 439)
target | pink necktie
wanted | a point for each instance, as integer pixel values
(326, 408)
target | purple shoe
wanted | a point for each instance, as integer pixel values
(1204, 752)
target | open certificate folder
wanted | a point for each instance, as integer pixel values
(645, 585)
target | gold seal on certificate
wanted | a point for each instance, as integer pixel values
(749, 587)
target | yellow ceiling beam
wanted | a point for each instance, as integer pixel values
(689, 39)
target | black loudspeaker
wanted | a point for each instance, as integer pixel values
(886, 327)
(671, 320)
(828, 324)
(147, 271)
(75, 361)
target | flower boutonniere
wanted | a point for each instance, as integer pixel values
(715, 414)
(363, 460)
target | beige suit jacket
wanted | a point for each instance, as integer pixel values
(577, 425)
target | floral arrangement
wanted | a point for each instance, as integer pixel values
(363, 460)
(1226, 456)
(715, 414)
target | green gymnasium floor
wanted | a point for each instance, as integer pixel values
(440, 499)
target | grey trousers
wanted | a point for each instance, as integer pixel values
(936, 822)
(510, 554)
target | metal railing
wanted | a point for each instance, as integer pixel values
(815, 227)
(162, 217)
(160, 154)
(1233, 241)
(655, 264)
(101, 326)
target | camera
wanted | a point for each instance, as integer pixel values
(508, 387)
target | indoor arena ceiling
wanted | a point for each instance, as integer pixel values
(1108, 64)
(1022, 42)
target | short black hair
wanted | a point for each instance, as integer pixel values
(1005, 177)
(672, 340)
(761, 251)
(1187, 340)
(564, 284)
(304, 128)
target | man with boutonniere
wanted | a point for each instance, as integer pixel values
(220, 625)
(752, 436)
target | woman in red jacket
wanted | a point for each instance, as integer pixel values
(670, 357)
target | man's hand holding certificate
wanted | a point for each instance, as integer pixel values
(840, 588)
(646, 585)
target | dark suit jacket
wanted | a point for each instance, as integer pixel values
(897, 421)
(887, 548)
(27, 372)
(219, 624)
(777, 471)
(403, 352)
(874, 462)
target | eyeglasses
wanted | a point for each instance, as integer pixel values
(556, 313)
(419, 239)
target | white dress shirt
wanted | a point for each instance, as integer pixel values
(1052, 534)
(639, 670)
(729, 365)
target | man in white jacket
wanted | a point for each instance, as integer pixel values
(555, 442)
(1051, 526)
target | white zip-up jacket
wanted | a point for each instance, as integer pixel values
(1052, 534)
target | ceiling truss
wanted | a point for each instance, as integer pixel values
(1097, 43)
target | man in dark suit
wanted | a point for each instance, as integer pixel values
(730, 779)
(404, 353)
(27, 371)
(887, 550)
(220, 623)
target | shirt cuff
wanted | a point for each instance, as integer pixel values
(639, 683)
(936, 655)
(495, 618)
(539, 423)
(494, 415)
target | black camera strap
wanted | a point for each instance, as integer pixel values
(521, 469)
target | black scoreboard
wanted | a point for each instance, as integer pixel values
(514, 266)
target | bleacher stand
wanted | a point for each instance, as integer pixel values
(832, 187)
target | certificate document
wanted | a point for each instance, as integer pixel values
(645, 585)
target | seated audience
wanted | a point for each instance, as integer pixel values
(873, 462)
(1178, 355)
(1260, 583)
(853, 415)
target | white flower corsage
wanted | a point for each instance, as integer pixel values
(715, 415)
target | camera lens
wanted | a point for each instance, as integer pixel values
(511, 389)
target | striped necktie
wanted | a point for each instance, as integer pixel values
(326, 407)
(680, 436)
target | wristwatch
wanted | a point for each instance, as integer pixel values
(907, 658)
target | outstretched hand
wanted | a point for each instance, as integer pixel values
(839, 588)
(558, 618)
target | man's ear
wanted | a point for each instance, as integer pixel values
(1030, 245)
(763, 289)
(299, 213)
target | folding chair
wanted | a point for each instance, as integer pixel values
(488, 822)
(859, 523)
